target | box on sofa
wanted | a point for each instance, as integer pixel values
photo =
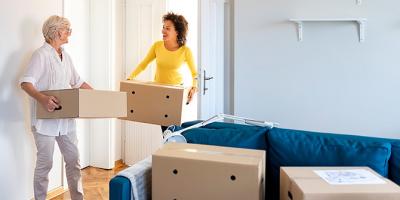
(192, 171)
(343, 183)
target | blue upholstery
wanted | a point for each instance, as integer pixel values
(302, 148)
(285, 147)
(120, 188)
(230, 135)
(394, 163)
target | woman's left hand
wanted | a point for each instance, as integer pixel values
(191, 93)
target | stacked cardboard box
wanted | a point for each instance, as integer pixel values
(191, 171)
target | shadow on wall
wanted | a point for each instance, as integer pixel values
(16, 141)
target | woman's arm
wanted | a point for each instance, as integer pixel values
(151, 55)
(193, 70)
(48, 102)
(192, 67)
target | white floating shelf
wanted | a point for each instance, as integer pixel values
(361, 24)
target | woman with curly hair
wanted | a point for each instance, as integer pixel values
(170, 54)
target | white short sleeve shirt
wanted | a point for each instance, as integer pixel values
(46, 71)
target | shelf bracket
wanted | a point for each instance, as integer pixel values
(361, 25)
(299, 30)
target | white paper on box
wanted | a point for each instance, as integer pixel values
(349, 177)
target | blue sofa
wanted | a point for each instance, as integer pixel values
(286, 147)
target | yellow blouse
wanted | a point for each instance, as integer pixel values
(168, 64)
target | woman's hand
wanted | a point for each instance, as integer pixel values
(191, 93)
(86, 86)
(49, 102)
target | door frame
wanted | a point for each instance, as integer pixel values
(215, 57)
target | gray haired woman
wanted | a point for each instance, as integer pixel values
(51, 68)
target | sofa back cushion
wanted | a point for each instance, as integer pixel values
(302, 148)
(229, 135)
(394, 161)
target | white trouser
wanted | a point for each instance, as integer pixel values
(69, 150)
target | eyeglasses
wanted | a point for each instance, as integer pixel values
(69, 30)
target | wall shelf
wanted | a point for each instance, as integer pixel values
(361, 24)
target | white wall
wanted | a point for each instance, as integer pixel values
(20, 28)
(330, 81)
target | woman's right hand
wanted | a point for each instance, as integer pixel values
(49, 102)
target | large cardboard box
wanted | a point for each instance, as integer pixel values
(192, 171)
(303, 183)
(82, 103)
(153, 103)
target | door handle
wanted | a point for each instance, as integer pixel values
(205, 78)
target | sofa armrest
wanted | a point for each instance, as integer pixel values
(120, 188)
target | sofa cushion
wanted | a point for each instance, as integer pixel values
(394, 168)
(302, 148)
(394, 161)
(228, 134)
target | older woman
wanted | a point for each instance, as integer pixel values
(51, 68)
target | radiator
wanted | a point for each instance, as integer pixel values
(141, 140)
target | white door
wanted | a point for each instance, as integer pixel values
(143, 23)
(212, 83)
(103, 76)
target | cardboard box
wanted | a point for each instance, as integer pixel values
(192, 171)
(81, 103)
(154, 103)
(303, 183)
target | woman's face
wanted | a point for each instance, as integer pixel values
(168, 31)
(64, 34)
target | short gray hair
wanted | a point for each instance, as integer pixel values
(52, 25)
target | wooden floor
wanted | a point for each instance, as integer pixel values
(95, 183)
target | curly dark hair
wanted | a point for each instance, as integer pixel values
(180, 24)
